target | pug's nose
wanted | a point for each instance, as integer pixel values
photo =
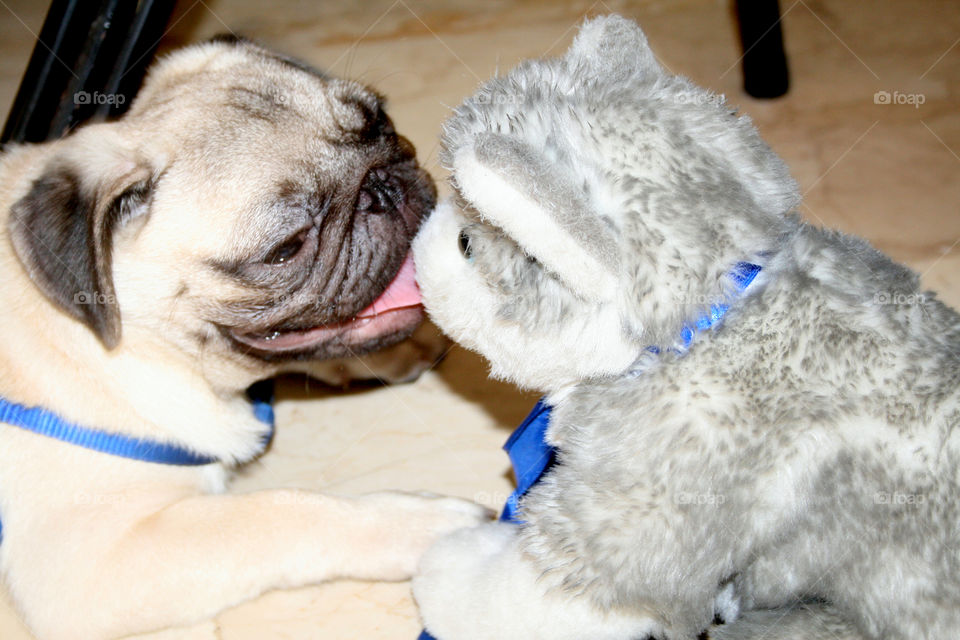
(378, 193)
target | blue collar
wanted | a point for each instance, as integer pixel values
(743, 274)
(49, 424)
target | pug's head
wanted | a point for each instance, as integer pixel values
(246, 206)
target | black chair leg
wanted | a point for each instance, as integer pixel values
(88, 64)
(765, 72)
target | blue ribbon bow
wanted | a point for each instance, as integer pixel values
(530, 456)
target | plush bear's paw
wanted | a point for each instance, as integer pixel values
(451, 584)
(476, 584)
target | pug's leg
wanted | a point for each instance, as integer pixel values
(193, 558)
(476, 584)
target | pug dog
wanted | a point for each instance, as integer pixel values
(248, 215)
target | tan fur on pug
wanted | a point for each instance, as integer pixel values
(230, 226)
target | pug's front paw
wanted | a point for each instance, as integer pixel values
(407, 524)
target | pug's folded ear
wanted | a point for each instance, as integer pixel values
(513, 187)
(62, 231)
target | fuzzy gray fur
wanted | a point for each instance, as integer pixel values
(804, 450)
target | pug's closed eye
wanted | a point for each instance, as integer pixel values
(291, 248)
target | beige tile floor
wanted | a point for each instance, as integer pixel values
(888, 172)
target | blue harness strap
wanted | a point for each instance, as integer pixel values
(47, 423)
(529, 452)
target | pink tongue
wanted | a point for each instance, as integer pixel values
(402, 292)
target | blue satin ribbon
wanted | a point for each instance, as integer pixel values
(47, 423)
(527, 447)
(530, 456)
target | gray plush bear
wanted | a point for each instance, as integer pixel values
(753, 416)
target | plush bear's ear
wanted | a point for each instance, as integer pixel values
(514, 188)
(615, 48)
(62, 231)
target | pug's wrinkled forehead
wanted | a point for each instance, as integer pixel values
(258, 130)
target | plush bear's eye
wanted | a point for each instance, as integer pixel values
(463, 240)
